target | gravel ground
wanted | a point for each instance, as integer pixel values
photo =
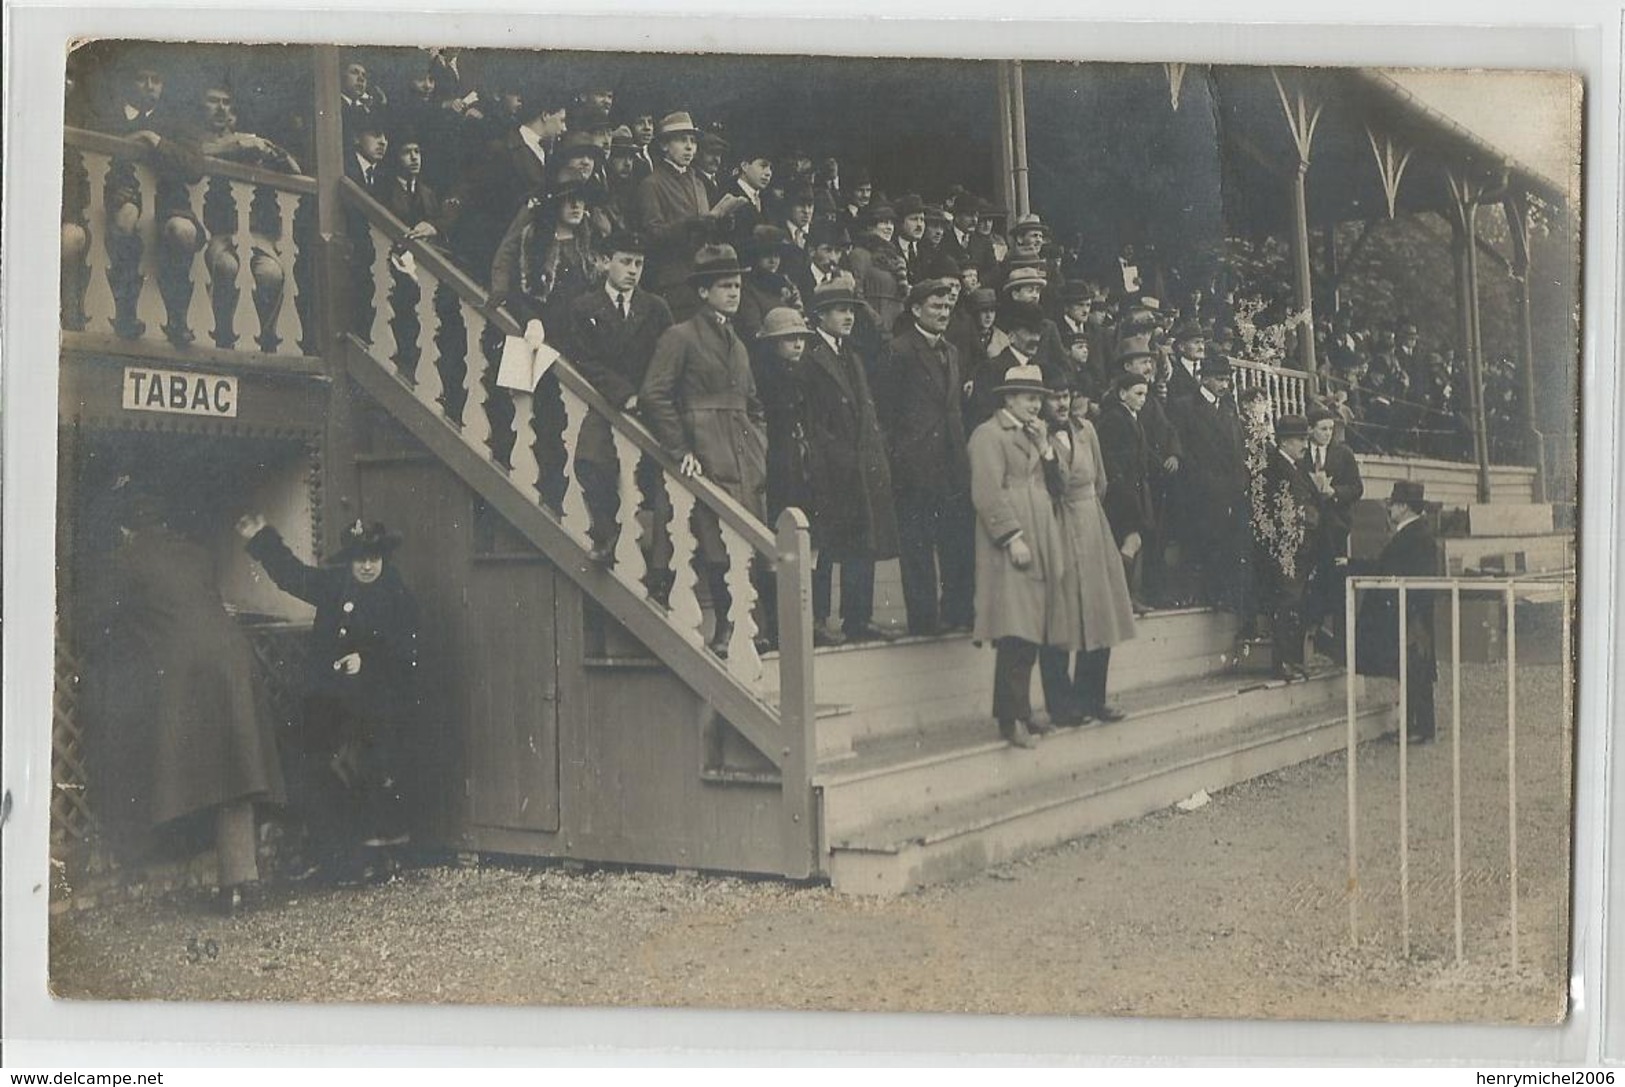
(1233, 910)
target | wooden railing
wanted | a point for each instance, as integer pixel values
(427, 347)
(1288, 389)
(127, 279)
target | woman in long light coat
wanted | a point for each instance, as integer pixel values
(1020, 550)
(1097, 612)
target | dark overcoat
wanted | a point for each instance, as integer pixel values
(917, 397)
(378, 621)
(1213, 478)
(1410, 552)
(699, 397)
(1337, 508)
(1286, 528)
(1126, 457)
(784, 409)
(851, 475)
(669, 208)
(178, 715)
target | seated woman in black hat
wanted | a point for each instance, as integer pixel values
(362, 700)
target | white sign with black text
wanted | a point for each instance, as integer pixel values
(180, 393)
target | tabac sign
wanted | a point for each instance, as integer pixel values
(180, 393)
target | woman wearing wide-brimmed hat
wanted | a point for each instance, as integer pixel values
(699, 398)
(1020, 549)
(362, 698)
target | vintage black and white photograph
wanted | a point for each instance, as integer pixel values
(798, 532)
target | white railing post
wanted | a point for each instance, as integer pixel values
(1404, 782)
(200, 299)
(1512, 761)
(242, 198)
(1349, 664)
(476, 427)
(743, 661)
(686, 613)
(1455, 754)
(525, 472)
(381, 336)
(629, 562)
(427, 384)
(573, 516)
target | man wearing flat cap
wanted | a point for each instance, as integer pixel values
(1331, 467)
(1210, 493)
(918, 394)
(699, 398)
(672, 209)
(1410, 552)
(1285, 522)
(856, 523)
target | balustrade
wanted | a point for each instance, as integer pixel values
(133, 277)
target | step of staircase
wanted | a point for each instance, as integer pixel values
(939, 842)
(899, 687)
(952, 762)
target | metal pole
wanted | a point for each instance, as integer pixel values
(1455, 752)
(1517, 216)
(1349, 679)
(1404, 791)
(1018, 110)
(1007, 166)
(1475, 349)
(1567, 702)
(1512, 760)
(1302, 274)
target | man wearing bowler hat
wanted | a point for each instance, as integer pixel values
(856, 522)
(1284, 530)
(1410, 552)
(1211, 492)
(673, 211)
(918, 394)
(699, 398)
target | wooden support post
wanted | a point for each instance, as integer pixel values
(1006, 152)
(1332, 286)
(1464, 228)
(341, 496)
(798, 716)
(1517, 212)
(1301, 119)
(1018, 113)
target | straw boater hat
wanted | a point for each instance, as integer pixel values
(362, 540)
(714, 262)
(676, 124)
(1028, 223)
(1023, 277)
(1023, 379)
(781, 323)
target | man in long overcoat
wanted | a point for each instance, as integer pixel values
(1284, 530)
(1211, 525)
(1021, 556)
(856, 522)
(182, 730)
(1410, 552)
(362, 698)
(917, 394)
(699, 398)
(1097, 612)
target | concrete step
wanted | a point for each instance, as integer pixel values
(891, 857)
(950, 763)
(897, 688)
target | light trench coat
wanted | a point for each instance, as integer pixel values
(1008, 493)
(1096, 611)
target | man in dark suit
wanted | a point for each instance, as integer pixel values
(917, 393)
(1331, 467)
(827, 245)
(963, 243)
(856, 523)
(611, 336)
(507, 174)
(755, 174)
(1167, 452)
(1126, 460)
(1211, 495)
(1023, 327)
(1190, 346)
(1410, 552)
(1285, 534)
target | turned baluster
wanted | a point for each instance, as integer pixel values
(573, 513)
(744, 664)
(686, 614)
(629, 562)
(98, 302)
(244, 315)
(428, 388)
(476, 427)
(200, 296)
(287, 250)
(382, 336)
(149, 303)
(525, 472)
